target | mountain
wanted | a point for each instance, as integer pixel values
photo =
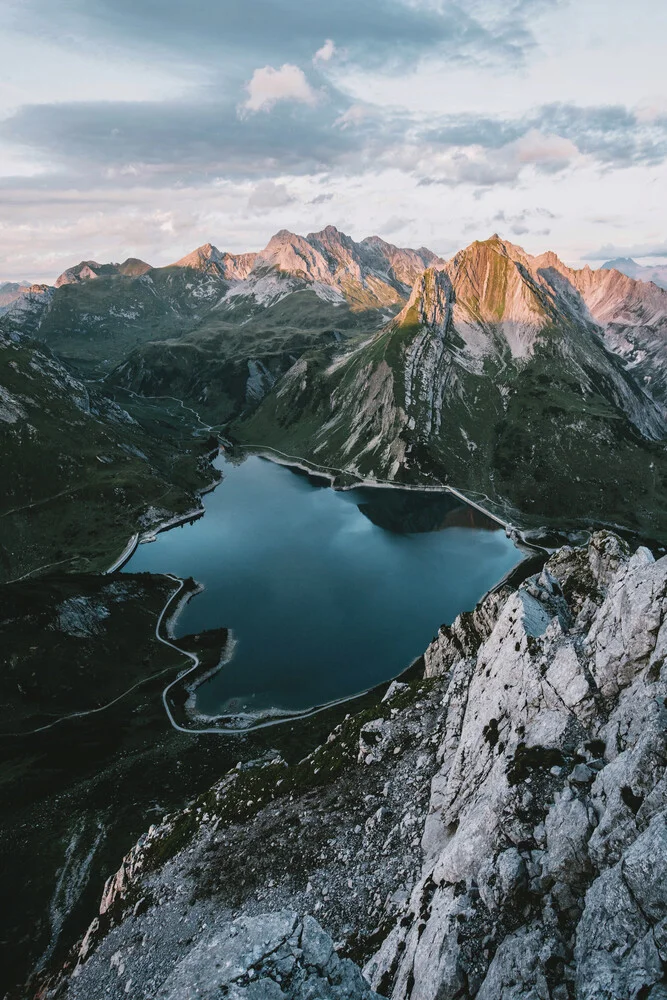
(297, 293)
(10, 291)
(495, 376)
(24, 305)
(217, 328)
(631, 314)
(88, 270)
(360, 358)
(81, 474)
(368, 275)
(210, 260)
(657, 273)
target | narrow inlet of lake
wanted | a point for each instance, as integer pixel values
(327, 593)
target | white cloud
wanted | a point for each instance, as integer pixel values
(269, 85)
(267, 195)
(355, 115)
(326, 53)
(544, 150)
(651, 109)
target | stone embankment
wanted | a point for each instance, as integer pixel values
(496, 830)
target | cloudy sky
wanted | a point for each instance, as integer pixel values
(147, 127)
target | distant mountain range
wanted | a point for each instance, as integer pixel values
(657, 273)
(542, 387)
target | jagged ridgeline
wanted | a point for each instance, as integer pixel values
(89, 462)
(540, 386)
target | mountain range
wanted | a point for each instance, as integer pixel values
(539, 386)
(657, 273)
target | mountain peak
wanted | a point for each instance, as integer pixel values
(204, 253)
(430, 303)
(619, 262)
(88, 270)
(329, 231)
(210, 260)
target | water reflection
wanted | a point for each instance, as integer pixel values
(327, 592)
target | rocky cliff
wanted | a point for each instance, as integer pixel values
(497, 829)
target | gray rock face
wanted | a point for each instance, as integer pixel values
(268, 957)
(545, 847)
(498, 830)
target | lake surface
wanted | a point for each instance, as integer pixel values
(327, 593)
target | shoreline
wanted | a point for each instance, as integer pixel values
(326, 472)
(330, 474)
(143, 538)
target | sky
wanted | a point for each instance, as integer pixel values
(147, 127)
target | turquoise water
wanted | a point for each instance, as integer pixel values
(327, 593)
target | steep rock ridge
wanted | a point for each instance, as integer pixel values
(88, 270)
(494, 377)
(10, 291)
(367, 275)
(26, 309)
(631, 314)
(532, 865)
(229, 267)
(626, 265)
(497, 830)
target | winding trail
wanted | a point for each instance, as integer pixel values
(91, 711)
(137, 395)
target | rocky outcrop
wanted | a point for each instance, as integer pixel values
(368, 275)
(89, 270)
(265, 958)
(497, 830)
(546, 842)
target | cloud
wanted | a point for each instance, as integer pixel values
(611, 250)
(355, 115)
(394, 224)
(523, 222)
(382, 34)
(487, 166)
(178, 142)
(267, 195)
(547, 152)
(162, 144)
(269, 85)
(326, 53)
(320, 199)
(488, 150)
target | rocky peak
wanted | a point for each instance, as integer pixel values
(330, 234)
(89, 270)
(289, 253)
(133, 267)
(210, 260)
(332, 257)
(493, 283)
(430, 303)
(656, 273)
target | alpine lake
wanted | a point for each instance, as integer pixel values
(326, 593)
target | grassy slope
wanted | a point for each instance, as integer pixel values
(99, 322)
(80, 472)
(526, 436)
(209, 366)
